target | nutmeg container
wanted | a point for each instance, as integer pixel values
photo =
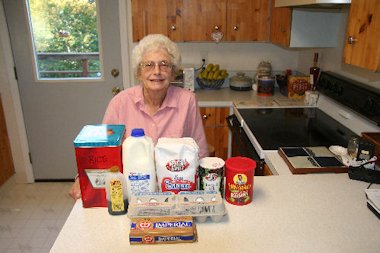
(239, 180)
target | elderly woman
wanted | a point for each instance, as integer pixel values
(160, 109)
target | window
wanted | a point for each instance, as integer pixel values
(65, 38)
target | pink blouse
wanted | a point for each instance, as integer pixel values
(177, 117)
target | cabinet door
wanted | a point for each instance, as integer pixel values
(247, 20)
(363, 50)
(216, 128)
(201, 18)
(157, 16)
(280, 25)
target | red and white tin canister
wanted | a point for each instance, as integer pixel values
(239, 180)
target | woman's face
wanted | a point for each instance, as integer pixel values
(156, 70)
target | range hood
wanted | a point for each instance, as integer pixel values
(312, 3)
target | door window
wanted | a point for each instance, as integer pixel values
(65, 39)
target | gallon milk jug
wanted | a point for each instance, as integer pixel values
(138, 163)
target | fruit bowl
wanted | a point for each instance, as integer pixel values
(210, 84)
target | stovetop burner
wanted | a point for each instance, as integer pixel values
(294, 127)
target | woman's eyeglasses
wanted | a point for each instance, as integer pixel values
(150, 65)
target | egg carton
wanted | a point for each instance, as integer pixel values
(199, 204)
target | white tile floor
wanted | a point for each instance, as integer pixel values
(31, 215)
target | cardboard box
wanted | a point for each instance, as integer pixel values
(297, 86)
(158, 230)
(97, 149)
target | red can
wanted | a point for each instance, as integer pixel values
(239, 180)
(97, 150)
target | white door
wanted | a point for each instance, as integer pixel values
(56, 109)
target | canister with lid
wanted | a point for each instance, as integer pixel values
(265, 86)
(239, 180)
(211, 173)
(241, 82)
(97, 149)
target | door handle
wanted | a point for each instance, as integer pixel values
(115, 72)
(116, 90)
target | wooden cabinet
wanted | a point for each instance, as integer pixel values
(201, 18)
(247, 20)
(6, 167)
(238, 20)
(304, 28)
(157, 16)
(362, 47)
(216, 128)
(281, 19)
(196, 20)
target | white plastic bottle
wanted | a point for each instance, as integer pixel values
(138, 163)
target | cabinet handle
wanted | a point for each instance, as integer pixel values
(173, 28)
(205, 116)
(236, 28)
(351, 40)
(216, 28)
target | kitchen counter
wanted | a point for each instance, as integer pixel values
(226, 97)
(289, 213)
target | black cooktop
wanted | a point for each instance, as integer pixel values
(294, 127)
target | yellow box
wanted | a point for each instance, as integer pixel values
(158, 230)
(297, 85)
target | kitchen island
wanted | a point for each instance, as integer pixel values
(289, 213)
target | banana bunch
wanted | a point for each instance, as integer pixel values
(212, 72)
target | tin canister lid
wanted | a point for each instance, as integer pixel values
(100, 136)
(240, 163)
(211, 163)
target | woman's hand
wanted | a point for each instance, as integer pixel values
(75, 190)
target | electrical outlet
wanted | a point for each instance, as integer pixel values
(204, 57)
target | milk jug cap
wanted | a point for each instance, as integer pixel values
(137, 132)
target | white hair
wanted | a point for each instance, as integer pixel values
(153, 42)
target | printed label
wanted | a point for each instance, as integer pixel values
(139, 182)
(177, 165)
(116, 195)
(148, 239)
(97, 177)
(239, 189)
(211, 182)
(173, 224)
(177, 185)
(144, 225)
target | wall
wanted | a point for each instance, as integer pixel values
(239, 56)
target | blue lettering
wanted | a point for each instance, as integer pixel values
(139, 177)
(177, 224)
(176, 186)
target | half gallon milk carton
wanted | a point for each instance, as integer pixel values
(97, 150)
(138, 162)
